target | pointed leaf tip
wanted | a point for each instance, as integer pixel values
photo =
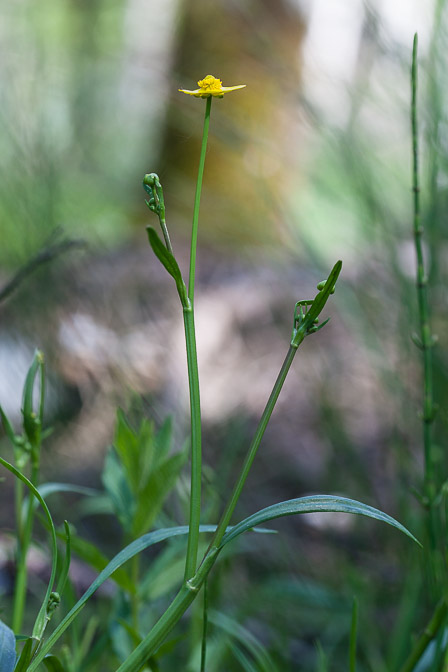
(313, 504)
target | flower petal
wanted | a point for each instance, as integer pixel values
(225, 89)
(191, 93)
(211, 86)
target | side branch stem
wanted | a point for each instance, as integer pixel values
(253, 448)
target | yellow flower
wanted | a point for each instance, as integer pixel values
(210, 86)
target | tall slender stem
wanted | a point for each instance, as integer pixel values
(196, 456)
(193, 376)
(204, 627)
(426, 338)
(197, 201)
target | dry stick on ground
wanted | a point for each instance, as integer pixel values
(44, 256)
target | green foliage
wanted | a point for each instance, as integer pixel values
(139, 473)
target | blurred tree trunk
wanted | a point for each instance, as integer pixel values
(253, 141)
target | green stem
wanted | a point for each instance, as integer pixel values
(160, 630)
(22, 552)
(204, 628)
(353, 636)
(196, 457)
(171, 616)
(426, 338)
(193, 376)
(161, 214)
(427, 635)
(197, 201)
(253, 448)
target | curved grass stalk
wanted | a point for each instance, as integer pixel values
(426, 340)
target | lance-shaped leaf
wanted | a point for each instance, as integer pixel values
(27, 653)
(322, 298)
(169, 261)
(7, 426)
(313, 504)
(32, 421)
(305, 322)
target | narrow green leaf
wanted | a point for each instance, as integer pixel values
(46, 489)
(133, 634)
(53, 664)
(246, 664)
(27, 652)
(100, 505)
(163, 440)
(66, 566)
(313, 504)
(40, 623)
(85, 646)
(51, 488)
(146, 446)
(126, 444)
(169, 262)
(322, 298)
(119, 489)
(322, 660)
(32, 422)
(245, 638)
(7, 648)
(305, 593)
(90, 554)
(7, 426)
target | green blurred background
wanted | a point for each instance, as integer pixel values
(309, 164)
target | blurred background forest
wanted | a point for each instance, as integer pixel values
(309, 164)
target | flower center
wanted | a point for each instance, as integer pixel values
(210, 83)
